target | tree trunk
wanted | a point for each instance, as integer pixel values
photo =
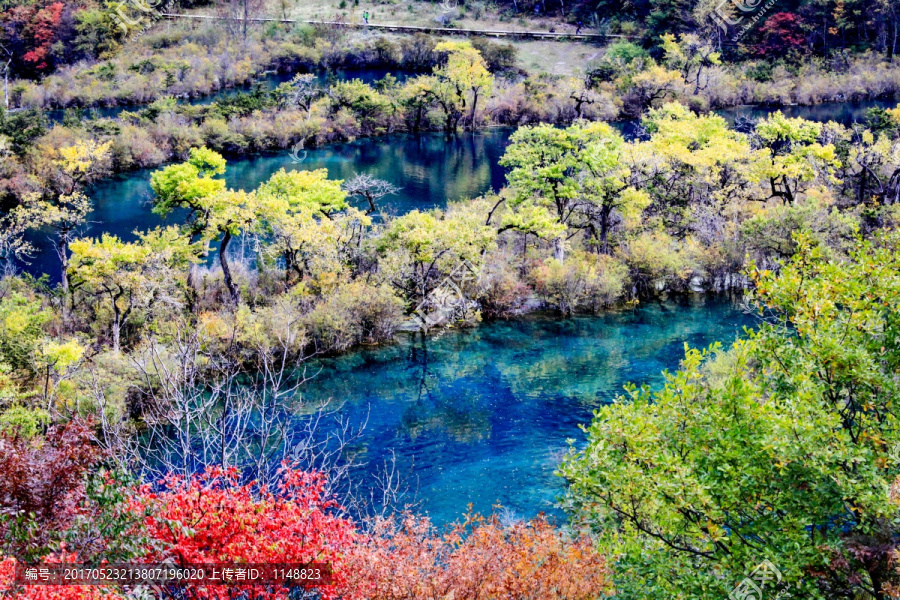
(117, 327)
(62, 247)
(861, 194)
(226, 270)
(879, 571)
(474, 104)
(288, 267)
(192, 277)
(6, 84)
(559, 250)
(604, 229)
(893, 50)
(246, 17)
(418, 123)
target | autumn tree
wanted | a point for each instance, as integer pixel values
(415, 97)
(692, 162)
(42, 485)
(213, 211)
(607, 182)
(569, 180)
(406, 557)
(650, 87)
(692, 57)
(795, 157)
(459, 83)
(542, 182)
(28, 33)
(22, 321)
(371, 109)
(782, 33)
(64, 207)
(419, 249)
(309, 222)
(130, 276)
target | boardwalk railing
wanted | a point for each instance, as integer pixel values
(535, 35)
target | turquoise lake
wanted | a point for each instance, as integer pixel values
(482, 415)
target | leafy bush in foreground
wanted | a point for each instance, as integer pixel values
(782, 449)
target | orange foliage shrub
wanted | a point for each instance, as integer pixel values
(407, 559)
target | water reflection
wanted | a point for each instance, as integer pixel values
(482, 415)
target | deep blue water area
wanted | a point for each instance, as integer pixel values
(483, 415)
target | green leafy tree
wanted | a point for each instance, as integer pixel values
(796, 157)
(308, 220)
(21, 330)
(781, 449)
(692, 161)
(542, 182)
(419, 249)
(459, 83)
(371, 108)
(213, 211)
(569, 179)
(690, 56)
(130, 276)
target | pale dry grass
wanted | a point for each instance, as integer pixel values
(556, 58)
(422, 14)
(567, 58)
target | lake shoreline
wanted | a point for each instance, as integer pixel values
(626, 125)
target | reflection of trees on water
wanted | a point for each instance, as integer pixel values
(437, 405)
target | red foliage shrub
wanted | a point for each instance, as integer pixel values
(212, 518)
(42, 484)
(781, 33)
(43, 32)
(31, 32)
(479, 559)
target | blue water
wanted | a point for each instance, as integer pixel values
(483, 415)
(478, 416)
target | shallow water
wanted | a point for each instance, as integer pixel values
(482, 415)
